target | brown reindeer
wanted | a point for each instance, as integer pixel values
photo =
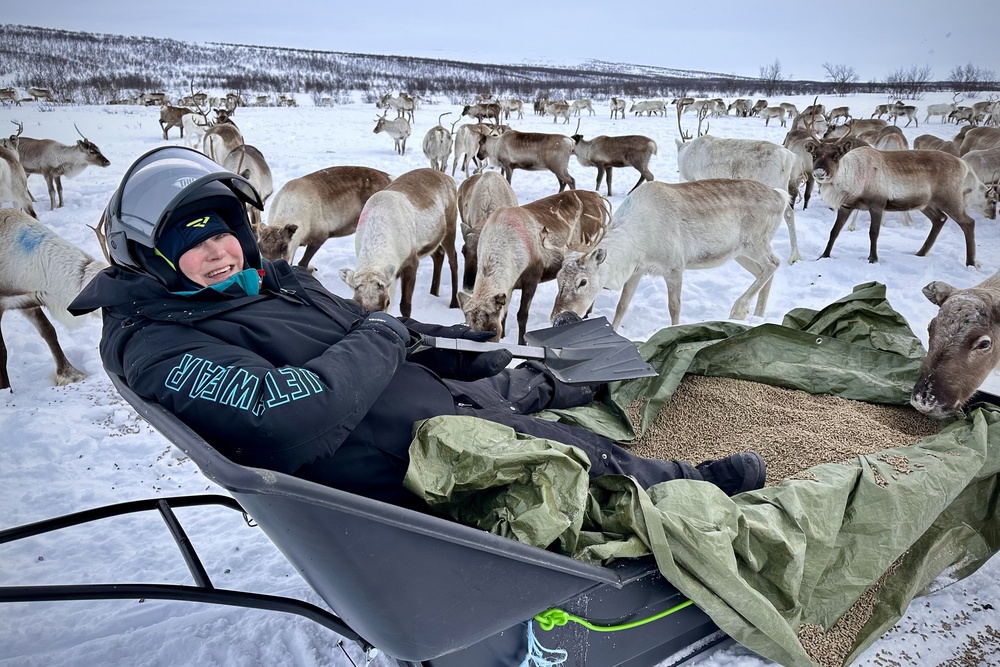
(938, 184)
(54, 160)
(964, 346)
(521, 246)
(310, 209)
(634, 150)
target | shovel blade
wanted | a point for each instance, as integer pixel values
(589, 352)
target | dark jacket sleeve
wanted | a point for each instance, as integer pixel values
(255, 413)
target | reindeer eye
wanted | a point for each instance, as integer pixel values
(984, 344)
(583, 282)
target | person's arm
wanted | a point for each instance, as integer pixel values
(255, 413)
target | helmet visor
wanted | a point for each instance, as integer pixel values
(160, 181)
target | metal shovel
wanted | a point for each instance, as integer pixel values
(585, 352)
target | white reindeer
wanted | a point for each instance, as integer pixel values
(478, 197)
(398, 129)
(666, 228)
(39, 268)
(437, 145)
(414, 216)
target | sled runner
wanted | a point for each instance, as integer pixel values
(471, 607)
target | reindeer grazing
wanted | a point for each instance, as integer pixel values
(321, 205)
(535, 151)
(437, 145)
(558, 109)
(478, 197)
(481, 110)
(522, 246)
(649, 107)
(860, 177)
(398, 129)
(39, 268)
(54, 160)
(579, 105)
(963, 347)
(9, 95)
(634, 150)
(666, 228)
(928, 142)
(403, 104)
(414, 216)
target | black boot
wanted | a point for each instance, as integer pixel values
(736, 473)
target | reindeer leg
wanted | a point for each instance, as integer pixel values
(528, 288)
(65, 372)
(58, 180)
(307, 256)
(644, 175)
(873, 231)
(675, 280)
(608, 169)
(50, 184)
(453, 265)
(763, 267)
(600, 177)
(628, 291)
(407, 281)
(437, 257)
(937, 219)
(838, 224)
(808, 192)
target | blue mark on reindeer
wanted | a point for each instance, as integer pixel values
(30, 237)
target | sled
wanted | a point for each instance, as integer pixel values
(472, 604)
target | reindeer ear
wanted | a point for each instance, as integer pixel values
(600, 255)
(463, 298)
(938, 292)
(347, 275)
(500, 300)
(290, 230)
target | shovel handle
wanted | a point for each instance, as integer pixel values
(462, 345)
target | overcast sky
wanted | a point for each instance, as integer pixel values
(727, 36)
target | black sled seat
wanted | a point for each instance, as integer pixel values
(428, 591)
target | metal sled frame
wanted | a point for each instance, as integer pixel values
(468, 605)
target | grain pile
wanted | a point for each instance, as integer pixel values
(711, 418)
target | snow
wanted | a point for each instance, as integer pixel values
(66, 449)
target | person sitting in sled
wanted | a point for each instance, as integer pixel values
(276, 372)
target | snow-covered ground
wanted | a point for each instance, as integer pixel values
(64, 449)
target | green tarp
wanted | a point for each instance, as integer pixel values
(762, 563)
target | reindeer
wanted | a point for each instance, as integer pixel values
(535, 151)
(521, 246)
(899, 109)
(579, 105)
(962, 349)
(860, 177)
(41, 94)
(558, 109)
(9, 95)
(666, 228)
(398, 129)
(768, 113)
(468, 144)
(511, 105)
(617, 108)
(39, 268)
(437, 145)
(414, 216)
(838, 113)
(928, 142)
(403, 104)
(321, 205)
(649, 107)
(171, 116)
(54, 160)
(482, 110)
(942, 109)
(634, 150)
(478, 197)
(220, 140)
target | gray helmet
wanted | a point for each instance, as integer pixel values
(161, 187)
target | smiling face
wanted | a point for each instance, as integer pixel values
(213, 260)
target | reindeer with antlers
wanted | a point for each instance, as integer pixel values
(54, 160)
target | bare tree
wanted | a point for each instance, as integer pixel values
(971, 79)
(843, 77)
(908, 82)
(771, 78)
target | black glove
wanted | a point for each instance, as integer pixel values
(459, 365)
(387, 325)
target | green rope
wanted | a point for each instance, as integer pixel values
(553, 617)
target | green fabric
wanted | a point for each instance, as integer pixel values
(764, 562)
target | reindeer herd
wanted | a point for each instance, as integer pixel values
(733, 196)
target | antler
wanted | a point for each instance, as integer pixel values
(20, 128)
(77, 131)
(102, 237)
(685, 136)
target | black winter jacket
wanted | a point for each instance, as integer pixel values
(288, 380)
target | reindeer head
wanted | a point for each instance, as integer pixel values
(577, 282)
(484, 314)
(275, 241)
(372, 287)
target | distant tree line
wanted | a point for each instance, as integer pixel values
(97, 68)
